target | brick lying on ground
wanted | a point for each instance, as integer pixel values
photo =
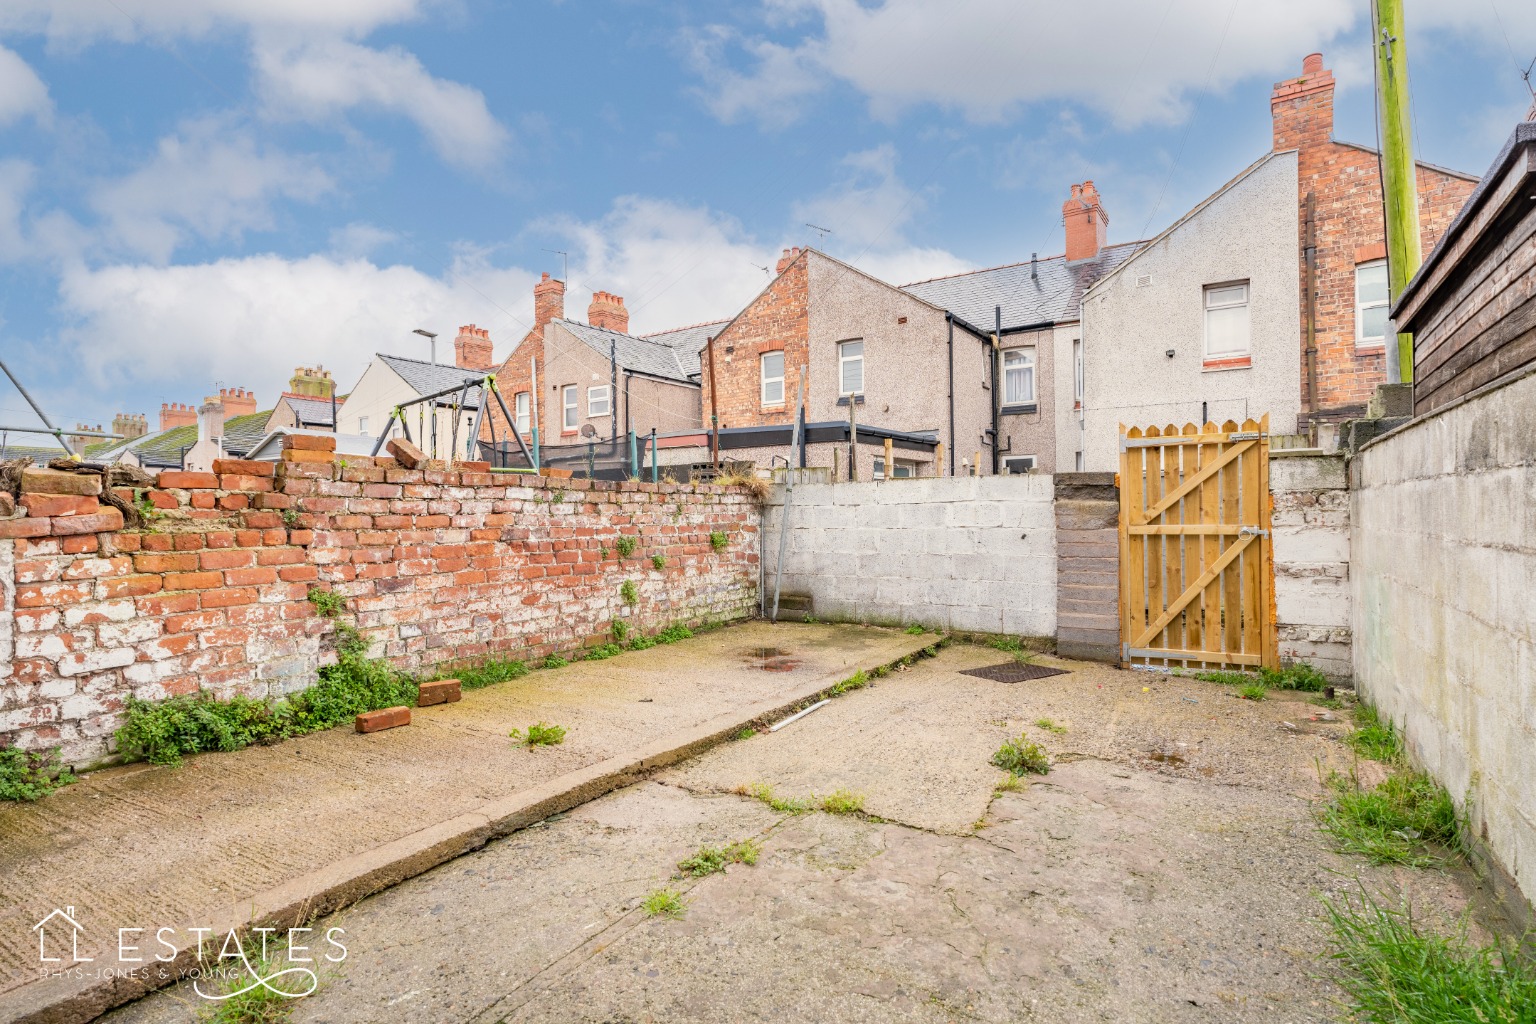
(384, 718)
(437, 567)
(438, 691)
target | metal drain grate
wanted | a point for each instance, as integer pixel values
(1013, 672)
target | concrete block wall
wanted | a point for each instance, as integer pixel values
(1310, 492)
(968, 553)
(437, 565)
(1443, 546)
(1088, 566)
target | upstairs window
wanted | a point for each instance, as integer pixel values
(520, 405)
(1371, 304)
(362, 424)
(1018, 376)
(850, 362)
(1226, 321)
(570, 417)
(773, 378)
(599, 401)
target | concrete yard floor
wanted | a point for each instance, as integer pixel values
(145, 846)
(1167, 869)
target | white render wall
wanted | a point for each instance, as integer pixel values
(1311, 534)
(1443, 536)
(1247, 232)
(971, 553)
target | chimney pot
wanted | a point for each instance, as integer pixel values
(1301, 108)
(1312, 64)
(1085, 221)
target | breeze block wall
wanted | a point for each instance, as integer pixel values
(437, 565)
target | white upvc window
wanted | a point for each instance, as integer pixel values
(1018, 464)
(599, 400)
(520, 406)
(362, 424)
(571, 415)
(850, 367)
(1371, 304)
(900, 469)
(1226, 320)
(773, 378)
(1018, 376)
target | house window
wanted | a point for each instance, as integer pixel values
(1371, 304)
(568, 408)
(1019, 464)
(598, 403)
(520, 404)
(900, 470)
(1226, 321)
(850, 362)
(1018, 376)
(362, 424)
(773, 378)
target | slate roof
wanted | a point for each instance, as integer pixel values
(642, 355)
(688, 343)
(426, 378)
(312, 412)
(1055, 293)
(163, 449)
(40, 454)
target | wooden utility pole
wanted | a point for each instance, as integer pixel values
(1399, 190)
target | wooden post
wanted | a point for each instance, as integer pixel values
(976, 465)
(1399, 191)
(889, 462)
(938, 459)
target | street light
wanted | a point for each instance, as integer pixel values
(430, 337)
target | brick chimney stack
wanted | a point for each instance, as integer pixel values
(1302, 108)
(790, 255)
(607, 311)
(311, 382)
(237, 402)
(176, 414)
(472, 348)
(1086, 222)
(77, 443)
(548, 303)
(130, 424)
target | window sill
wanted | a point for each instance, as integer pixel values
(1234, 363)
(843, 401)
(1374, 348)
(773, 408)
(1020, 409)
(569, 433)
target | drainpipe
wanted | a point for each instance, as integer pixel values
(613, 390)
(1309, 253)
(950, 320)
(997, 409)
(629, 421)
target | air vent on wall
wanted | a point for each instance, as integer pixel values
(1144, 281)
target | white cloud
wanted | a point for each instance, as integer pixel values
(72, 23)
(210, 181)
(359, 239)
(21, 91)
(16, 177)
(320, 80)
(1132, 61)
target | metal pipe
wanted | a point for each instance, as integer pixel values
(533, 410)
(57, 434)
(653, 455)
(613, 389)
(714, 410)
(797, 440)
(997, 409)
(949, 320)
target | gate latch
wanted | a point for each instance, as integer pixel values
(1252, 531)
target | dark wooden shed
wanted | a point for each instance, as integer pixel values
(1472, 305)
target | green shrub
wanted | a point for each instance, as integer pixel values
(718, 541)
(539, 735)
(915, 630)
(1021, 756)
(162, 732)
(1011, 644)
(474, 677)
(672, 634)
(620, 630)
(1299, 676)
(658, 563)
(605, 651)
(641, 642)
(1253, 691)
(28, 776)
(629, 592)
(327, 602)
(1395, 973)
(1395, 822)
(554, 661)
(624, 545)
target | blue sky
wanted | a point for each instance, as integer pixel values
(196, 192)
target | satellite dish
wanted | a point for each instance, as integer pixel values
(588, 430)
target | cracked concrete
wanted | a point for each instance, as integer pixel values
(1120, 887)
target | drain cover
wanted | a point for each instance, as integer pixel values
(1014, 672)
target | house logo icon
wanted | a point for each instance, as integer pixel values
(60, 922)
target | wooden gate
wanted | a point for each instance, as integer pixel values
(1197, 578)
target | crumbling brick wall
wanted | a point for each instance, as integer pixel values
(438, 565)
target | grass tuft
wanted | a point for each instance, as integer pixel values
(1050, 726)
(1374, 738)
(1253, 691)
(857, 681)
(1395, 973)
(1394, 823)
(672, 634)
(664, 903)
(26, 776)
(713, 859)
(915, 630)
(718, 541)
(1021, 756)
(539, 735)
(842, 802)
(487, 673)
(746, 733)
(782, 804)
(747, 480)
(604, 651)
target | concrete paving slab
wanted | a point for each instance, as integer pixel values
(320, 821)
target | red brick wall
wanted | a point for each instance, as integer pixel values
(778, 318)
(437, 566)
(1347, 185)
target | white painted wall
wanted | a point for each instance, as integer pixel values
(1443, 536)
(1246, 232)
(1311, 538)
(975, 553)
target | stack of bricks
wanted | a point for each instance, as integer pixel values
(438, 565)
